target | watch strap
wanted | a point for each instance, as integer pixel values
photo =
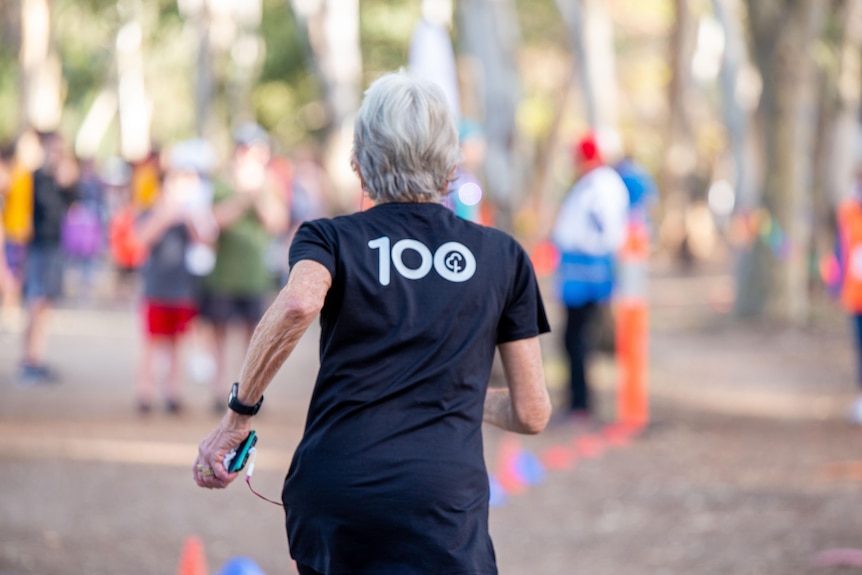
(236, 405)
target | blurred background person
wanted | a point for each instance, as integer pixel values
(146, 180)
(845, 276)
(641, 186)
(169, 231)
(54, 191)
(84, 231)
(126, 252)
(308, 197)
(21, 158)
(589, 229)
(6, 278)
(250, 211)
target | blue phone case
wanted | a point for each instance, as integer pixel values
(242, 452)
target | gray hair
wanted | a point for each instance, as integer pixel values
(405, 140)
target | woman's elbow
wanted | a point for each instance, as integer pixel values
(300, 309)
(535, 419)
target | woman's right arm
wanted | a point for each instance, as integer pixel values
(274, 339)
(282, 326)
(524, 406)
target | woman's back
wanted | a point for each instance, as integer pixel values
(420, 299)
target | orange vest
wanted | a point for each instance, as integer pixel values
(850, 230)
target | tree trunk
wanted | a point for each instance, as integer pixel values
(135, 107)
(332, 28)
(11, 32)
(735, 109)
(774, 278)
(592, 49)
(488, 30)
(573, 16)
(204, 85)
(41, 73)
(679, 157)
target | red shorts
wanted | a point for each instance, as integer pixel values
(168, 318)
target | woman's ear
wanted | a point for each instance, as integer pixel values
(354, 165)
(449, 180)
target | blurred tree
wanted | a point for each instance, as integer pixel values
(10, 71)
(41, 75)
(774, 273)
(488, 34)
(332, 32)
(680, 152)
(591, 39)
(385, 29)
(737, 102)
(286, 96)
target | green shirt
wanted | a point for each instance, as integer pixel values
(240, 268)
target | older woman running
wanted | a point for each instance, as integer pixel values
(389, 477)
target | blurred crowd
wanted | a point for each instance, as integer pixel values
(192, 241)
(197, 242)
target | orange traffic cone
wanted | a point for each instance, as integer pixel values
(192, 559)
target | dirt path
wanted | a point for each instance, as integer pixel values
(748, 467)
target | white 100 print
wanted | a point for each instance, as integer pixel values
(452, 260)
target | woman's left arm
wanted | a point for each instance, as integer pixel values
(524, 406)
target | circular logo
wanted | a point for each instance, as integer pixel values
(454, 262)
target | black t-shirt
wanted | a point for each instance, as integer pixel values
(50, 203)
(389, 477)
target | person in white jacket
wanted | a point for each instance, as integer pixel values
(589, 230)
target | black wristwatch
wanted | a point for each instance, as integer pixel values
(236, 405)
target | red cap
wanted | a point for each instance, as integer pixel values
(586, 150)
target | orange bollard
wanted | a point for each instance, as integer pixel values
(192, 559)
(632, 329)
(632, 402)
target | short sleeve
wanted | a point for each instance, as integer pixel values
(316, 241)
(524, 315)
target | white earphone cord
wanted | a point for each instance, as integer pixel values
(253, 453)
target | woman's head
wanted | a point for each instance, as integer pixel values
(405, 144)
